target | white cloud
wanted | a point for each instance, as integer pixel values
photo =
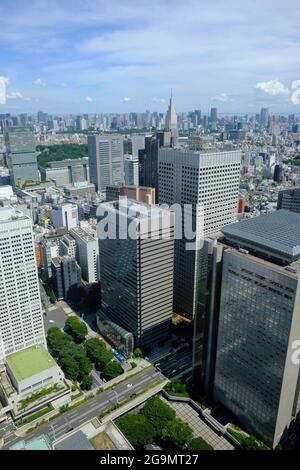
(272, 87)
(295, 84)
(157, 99)
(295, 96)
(89, 99)
(126, 99)
(39, 82)
(222, 97)
(14, 95)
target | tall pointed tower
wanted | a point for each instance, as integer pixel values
(171, 120)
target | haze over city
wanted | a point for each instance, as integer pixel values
(121, 56)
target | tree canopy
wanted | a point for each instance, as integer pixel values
(93, 347)
(77, 328)
(137, 429)
(177, 433)
(158, 413)
(112, 370)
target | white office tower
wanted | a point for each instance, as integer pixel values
(21, 321)
(136, 262)
(207, 179)
(87, 253)
(138, 143)
(131, 170)
(106, 160)
(65, 215)
(171, 121)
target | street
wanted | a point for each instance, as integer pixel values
(93, 408)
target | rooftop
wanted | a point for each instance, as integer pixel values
(29, 362)
(278, 232)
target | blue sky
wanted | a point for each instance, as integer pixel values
(77, 56)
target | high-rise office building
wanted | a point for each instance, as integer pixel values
(207, 179)
(65, 215)
(106, 160)
(264, 117)
(21, 319)
(289, 199)
(137, 271)
(148, 159)
(21, 155)
(256, 375)
(131, 170)
(87, 254)
(65, 274)
(213, 115)
(138, 143)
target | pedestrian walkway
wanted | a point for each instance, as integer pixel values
(199, 426)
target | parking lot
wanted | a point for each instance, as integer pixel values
(55, 316)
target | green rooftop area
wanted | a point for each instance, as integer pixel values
(29, 362)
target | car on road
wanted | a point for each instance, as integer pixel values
(51, 321)
(129, 385)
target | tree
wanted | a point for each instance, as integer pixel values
(87, 382)
(158, 414)
(177, 433)
(85, 366)
(197, 443)
(138, 352)
(58, 341)
(112, 370)
(70, 366)
(77, 328)
(137, 429)
(93, 346)
(52, 297)
(103, 357)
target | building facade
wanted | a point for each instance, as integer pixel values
(106, 160)
(87, 254)
(256, 375)
(289, 199)
(208, 181)
(137, 271)
(65, 215)
(21, 155)
(21, 322)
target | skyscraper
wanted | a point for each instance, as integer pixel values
(264, 117)
(21, 322)
(148, 159)
(137, 271)
(256, 375)
(213, 115)
(131, 170)
(106, 160)
(21, 155)
(171, 120)
(208, 178)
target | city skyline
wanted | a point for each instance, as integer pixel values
(123, 56)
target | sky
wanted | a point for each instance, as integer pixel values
(86, 56)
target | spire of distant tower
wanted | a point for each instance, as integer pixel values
(171, 119)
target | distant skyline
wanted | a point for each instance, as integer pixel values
(86, 56)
